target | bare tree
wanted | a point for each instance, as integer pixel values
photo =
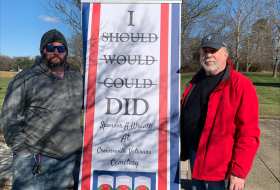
(198, 16)
(76, 51)
(70, 13)
(241, 14)
(262, 49)
(6, 63)
(193, 12)
(273, 9)
(249, 62)
(276, 52)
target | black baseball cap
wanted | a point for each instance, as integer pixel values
(215, 41)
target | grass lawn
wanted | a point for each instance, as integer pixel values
(5, 77)
(269, 101)
(262, 78)
(3, 87)
(269, 97)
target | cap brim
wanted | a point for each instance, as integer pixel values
(211, 45)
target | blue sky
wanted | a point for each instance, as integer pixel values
(22, 24)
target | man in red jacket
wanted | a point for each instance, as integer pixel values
(219, 121)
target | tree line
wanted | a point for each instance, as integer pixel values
(15, 63)
(20, 63)
(251, 29)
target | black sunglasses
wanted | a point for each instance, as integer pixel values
(51, 48)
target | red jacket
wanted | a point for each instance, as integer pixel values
(231, 135)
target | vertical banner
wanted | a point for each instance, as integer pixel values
(131, 120)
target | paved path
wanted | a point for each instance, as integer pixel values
(265, 174)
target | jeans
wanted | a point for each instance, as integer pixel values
(54, 174)
(205, 185)
(208, 185)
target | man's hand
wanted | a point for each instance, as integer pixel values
(236, 183)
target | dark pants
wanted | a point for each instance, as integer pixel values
(54, 174)
(208, 185)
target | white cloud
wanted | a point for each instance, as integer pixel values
(50, 19)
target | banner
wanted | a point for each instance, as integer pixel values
(131, 121)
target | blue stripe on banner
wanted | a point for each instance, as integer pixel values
(174, 98)
(85, 16)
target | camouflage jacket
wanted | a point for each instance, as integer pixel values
(41, 113)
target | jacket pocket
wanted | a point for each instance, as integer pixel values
(218, 155)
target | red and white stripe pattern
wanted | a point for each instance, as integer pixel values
(165, 176)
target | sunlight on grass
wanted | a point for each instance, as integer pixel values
(269, 101)
(3, 87)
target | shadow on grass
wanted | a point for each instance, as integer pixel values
(267, 84)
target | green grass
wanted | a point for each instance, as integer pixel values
(185, 78)
(269, 97)
(3, 87)
(262, 78)
(255, 77)
(269, 101)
